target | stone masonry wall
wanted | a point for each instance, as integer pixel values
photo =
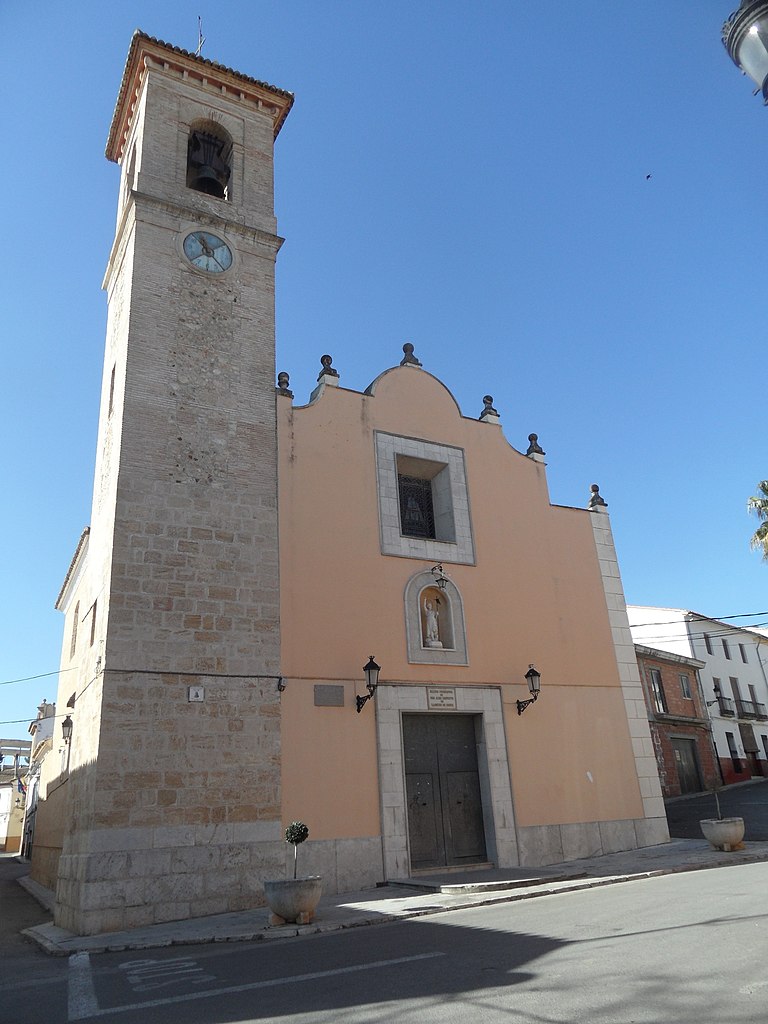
(176, 803)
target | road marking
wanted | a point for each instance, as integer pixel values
(751, 990)
(86, 1010)
(81, 995)
(145, 975)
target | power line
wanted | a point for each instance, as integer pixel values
(42, 675)
(694, 635)
(707, 618)
(28, 721)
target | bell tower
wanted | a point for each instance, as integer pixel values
(174, 772)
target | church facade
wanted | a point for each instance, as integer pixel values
(247, 556)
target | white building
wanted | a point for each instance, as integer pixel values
(734, 680)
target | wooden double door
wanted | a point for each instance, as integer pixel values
(687, 764)
(442, 783)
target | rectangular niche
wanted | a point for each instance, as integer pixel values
(423, 500)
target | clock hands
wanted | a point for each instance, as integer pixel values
(207, 250)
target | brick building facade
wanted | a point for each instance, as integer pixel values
(679, 724)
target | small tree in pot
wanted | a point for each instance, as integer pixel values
(296, 833)
(294, 899)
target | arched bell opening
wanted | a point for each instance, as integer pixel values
(209, 159)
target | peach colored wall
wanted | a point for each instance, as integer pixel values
(329, 764)
(534, 595)
(552, 747)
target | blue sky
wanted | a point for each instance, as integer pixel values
(468, 177)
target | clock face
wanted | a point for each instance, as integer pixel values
(207, 252)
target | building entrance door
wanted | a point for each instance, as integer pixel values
(442, 788)
(687, 765)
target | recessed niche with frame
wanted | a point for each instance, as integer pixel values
(434, 622)
(423, 500)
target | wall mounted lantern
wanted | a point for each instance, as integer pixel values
(745, 37)
(371, 671)
(439, 576)
(718, 695)
(533, 678)
(66, 729)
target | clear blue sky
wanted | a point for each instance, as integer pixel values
(468, 177)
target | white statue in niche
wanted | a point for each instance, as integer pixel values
(431, 623)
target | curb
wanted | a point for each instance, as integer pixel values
(54, 945)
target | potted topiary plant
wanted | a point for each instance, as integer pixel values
(294, 899)
(723, 833)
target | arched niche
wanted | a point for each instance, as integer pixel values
(434, 622)
(209, 159)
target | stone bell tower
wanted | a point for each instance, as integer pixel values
(175, 761)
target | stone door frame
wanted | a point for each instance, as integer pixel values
(392, 701)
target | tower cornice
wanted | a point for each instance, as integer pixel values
(268, 242)
(146, 52)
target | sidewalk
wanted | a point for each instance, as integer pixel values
(432, 894)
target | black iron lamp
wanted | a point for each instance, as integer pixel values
(745, 37)
(533, 678)
(439, 576)
(371, 671)
(66, 729)
(716, 688)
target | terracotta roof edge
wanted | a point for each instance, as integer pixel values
(139, 37)
(72, 565)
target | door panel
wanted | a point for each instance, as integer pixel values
(466, 837)
(426, 838)
(687, 765)
(445, 814)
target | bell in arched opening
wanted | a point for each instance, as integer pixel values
(208, 163)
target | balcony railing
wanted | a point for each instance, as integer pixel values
(746, 708)
(761, 712)
(727, 708)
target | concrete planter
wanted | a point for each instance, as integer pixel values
(723, 833)
(293, 899)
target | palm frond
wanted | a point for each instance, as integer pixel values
(759, 540)
(758, 505)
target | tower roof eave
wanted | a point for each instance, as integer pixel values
(275, 102)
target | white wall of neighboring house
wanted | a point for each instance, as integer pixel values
(736, 657)
(666, 629)
(6, 805)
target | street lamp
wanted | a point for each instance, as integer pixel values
(718, 695)
(533, 678)
(371, 671)
(66, 729)
(745, 37)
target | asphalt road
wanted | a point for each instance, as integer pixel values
(680, 948)
(749, 802)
